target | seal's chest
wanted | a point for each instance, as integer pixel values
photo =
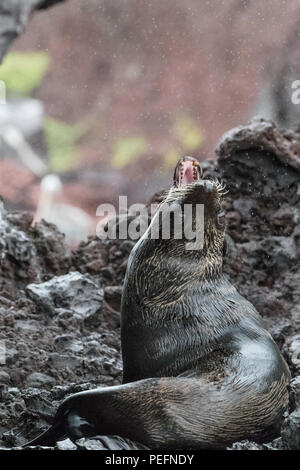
(162, 351)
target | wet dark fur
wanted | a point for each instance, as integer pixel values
(200, 370)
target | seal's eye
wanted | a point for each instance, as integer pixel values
(221, 218)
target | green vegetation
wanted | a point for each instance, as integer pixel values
(61, 139)
(188, 134)
(127, 149)
(188, 137)
(22, 72)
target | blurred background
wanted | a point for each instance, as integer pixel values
(108, 95)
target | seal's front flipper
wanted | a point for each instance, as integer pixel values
(73, 427)
(50, 437)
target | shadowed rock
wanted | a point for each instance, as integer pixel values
(14, 16)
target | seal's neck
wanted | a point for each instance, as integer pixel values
(162, 277)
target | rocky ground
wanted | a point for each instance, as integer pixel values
(60, 310)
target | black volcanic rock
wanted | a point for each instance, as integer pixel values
(74, 292)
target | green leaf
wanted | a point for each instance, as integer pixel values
(127, 149)
(61, 139)
(22, 72)
(188, 134)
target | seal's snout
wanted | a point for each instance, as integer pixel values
(203, 192)
(187, 171)
(206, 186)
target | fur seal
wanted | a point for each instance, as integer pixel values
(200, 370)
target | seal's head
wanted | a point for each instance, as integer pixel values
(200, 202)
(185, 241)
(187, 233)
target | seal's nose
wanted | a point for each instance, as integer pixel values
(203, 192)
(208, 186)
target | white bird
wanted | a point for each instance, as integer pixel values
(15, 139)
(70, 220)
(76, 224)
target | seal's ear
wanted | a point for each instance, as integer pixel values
(225, 248)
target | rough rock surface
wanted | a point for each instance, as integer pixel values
(263, 213)
(14, 15)
(75, 293)
(264, 136)
(51, 348)
(290, 432)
